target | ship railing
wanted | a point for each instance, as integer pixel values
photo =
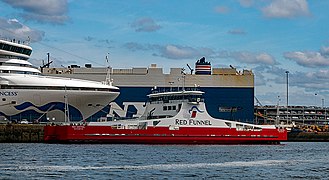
(15, 41)
(173, 89)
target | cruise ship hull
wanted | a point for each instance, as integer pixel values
(49, 105)
(37, 98)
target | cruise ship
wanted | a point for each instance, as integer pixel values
(27, 95)
(229, 92)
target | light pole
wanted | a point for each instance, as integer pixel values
(287, 73)
(315, 99)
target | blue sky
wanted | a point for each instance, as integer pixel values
(269, 37)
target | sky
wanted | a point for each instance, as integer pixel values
(269, 37)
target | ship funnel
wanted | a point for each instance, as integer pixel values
(202, 67)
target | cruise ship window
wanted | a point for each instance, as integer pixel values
(3, 99)
(6, 47)
(165, 108)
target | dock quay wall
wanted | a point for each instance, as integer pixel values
(308, 137)
(21, 133)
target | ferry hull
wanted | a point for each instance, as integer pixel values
(161, 135)
(178, 117)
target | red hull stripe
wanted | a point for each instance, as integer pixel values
(151, 135)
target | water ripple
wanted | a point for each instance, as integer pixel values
(55, 161)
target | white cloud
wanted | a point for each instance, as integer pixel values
(286, 9)
(309, 58)
(12, 28)
(182, 52)
(133, 46)
(50, 11)
(145, 25)
(176, 52)
(306, 83)
(324, 51)
(311, 81)
(171, 51)
(322, 74)
(316, 81)
(249, 57)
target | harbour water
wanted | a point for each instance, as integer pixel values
(290, 160)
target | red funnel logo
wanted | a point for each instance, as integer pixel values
(193, 115)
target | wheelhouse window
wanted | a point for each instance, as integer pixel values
(168, 98)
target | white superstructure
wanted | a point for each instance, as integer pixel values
(26, 94)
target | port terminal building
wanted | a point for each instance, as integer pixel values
(298, 115)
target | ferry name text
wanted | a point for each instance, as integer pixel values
(192, 122)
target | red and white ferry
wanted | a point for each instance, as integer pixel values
(170, 118)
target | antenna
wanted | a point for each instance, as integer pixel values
(183, 76)
(108, 72)
(107, 58)
(190, 68)
(48, 60)
(28, 40)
